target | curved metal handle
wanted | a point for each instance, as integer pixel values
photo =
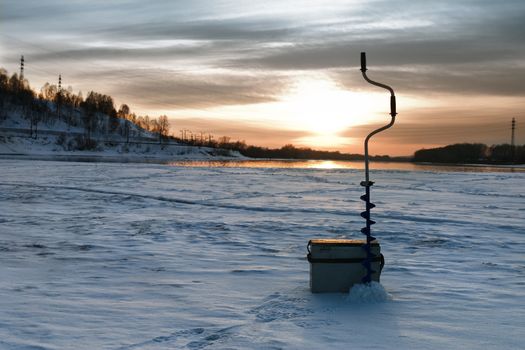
(393, 111)
(384, 86)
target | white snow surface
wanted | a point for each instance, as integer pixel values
(151, 256)
(45, 147)
(15, 141)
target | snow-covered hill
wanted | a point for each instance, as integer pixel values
(51, 136)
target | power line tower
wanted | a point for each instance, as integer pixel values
(512, 139)
(59, 95)
(22, 67)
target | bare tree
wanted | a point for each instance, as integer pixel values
(123, 111)
(163, 126)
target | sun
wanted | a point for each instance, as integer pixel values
(321, 107)
(318, 106)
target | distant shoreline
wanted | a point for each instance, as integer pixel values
(109, 158)
(222, 161)
(493, 165)
(95, 156)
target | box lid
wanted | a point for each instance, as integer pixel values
(340, 242)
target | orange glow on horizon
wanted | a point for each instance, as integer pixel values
(317, 113)
(315, 106)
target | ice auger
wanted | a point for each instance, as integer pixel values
(367, 230)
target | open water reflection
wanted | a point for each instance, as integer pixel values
(333, 164)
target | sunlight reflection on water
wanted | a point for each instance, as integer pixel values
(277, 163)
(334, 164)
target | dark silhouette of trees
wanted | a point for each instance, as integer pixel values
(97, 104)
(48, 92)
(291, 152)
(17, 92)
(123, 111)
(123, 114)
(464, 152)
(4, 87)
(472, 153)
(507, 154)
(163, 126)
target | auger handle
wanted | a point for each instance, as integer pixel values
(393, 111)
(393, 105)
(363, 61)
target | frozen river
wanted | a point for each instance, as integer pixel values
(152, 256)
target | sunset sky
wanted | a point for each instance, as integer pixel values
(287, 71)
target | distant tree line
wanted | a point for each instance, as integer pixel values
(292, 152)
(472, 153)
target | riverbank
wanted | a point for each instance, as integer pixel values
(52, 147)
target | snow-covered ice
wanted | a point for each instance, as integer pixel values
(151, 256)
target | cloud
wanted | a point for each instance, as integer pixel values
(484, 129)
(248, 30)
(123, 54)
(383, 52)
(165, 89)
(461, 79)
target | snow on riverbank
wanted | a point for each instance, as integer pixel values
(46, 147)
(148, 256)
(55, 138)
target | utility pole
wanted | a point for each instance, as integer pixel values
(512, 139)
(184, 135)
(22, 67)
(20, 86)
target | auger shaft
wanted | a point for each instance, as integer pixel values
(367, 230)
